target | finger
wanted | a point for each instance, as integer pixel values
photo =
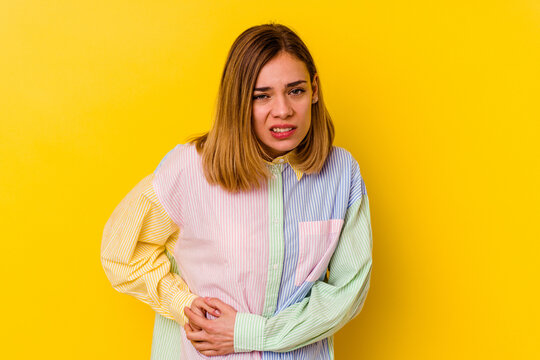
(197, 309)
(197, 336)
(198, 320)
(204, 307)
(218, 304)
(203, 346)
(210, 352)
(191, 327)
(209, 309)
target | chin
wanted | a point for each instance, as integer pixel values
(283, 148)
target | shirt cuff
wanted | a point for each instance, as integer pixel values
(181, 300)
(249, 332)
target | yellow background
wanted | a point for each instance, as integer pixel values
(437, 100)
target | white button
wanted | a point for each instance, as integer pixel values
(275, 266)
(276, 221)
(281, 161)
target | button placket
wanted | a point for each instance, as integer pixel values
(276, 241)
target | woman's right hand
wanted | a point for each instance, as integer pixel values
(200, 307)
(216, 336)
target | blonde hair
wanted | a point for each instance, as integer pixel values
(231, 154)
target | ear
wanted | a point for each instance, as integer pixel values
(315, 89)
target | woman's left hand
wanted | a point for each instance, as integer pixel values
(216, 336)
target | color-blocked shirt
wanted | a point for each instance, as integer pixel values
(293, 257)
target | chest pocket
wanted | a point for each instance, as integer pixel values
(317, 242)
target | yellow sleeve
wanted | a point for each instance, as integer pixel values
(133, 253)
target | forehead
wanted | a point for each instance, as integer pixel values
(282, 69)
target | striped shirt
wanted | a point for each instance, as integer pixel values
(292, 257)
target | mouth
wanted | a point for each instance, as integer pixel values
(282, 131)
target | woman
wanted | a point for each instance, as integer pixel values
(261, 214)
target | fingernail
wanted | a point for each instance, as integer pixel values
(218, 312)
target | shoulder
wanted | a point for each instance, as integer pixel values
(167, 180)
(341, 160)
(180, 160)
(344, 162)
(177, 158)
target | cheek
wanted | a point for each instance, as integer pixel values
(259, 116)
(258, 120)
(304, 113)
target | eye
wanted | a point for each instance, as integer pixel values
(297, 91)
(260, 97)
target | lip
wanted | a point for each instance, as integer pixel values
(282, 135)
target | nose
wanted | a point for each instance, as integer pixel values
(282, 108)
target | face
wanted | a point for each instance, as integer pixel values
(282, 102)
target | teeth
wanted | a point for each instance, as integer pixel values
(278, 130)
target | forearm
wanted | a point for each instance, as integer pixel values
(153, 283)
(330, 305)
(311, 320)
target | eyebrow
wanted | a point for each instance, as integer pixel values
(298, 82)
